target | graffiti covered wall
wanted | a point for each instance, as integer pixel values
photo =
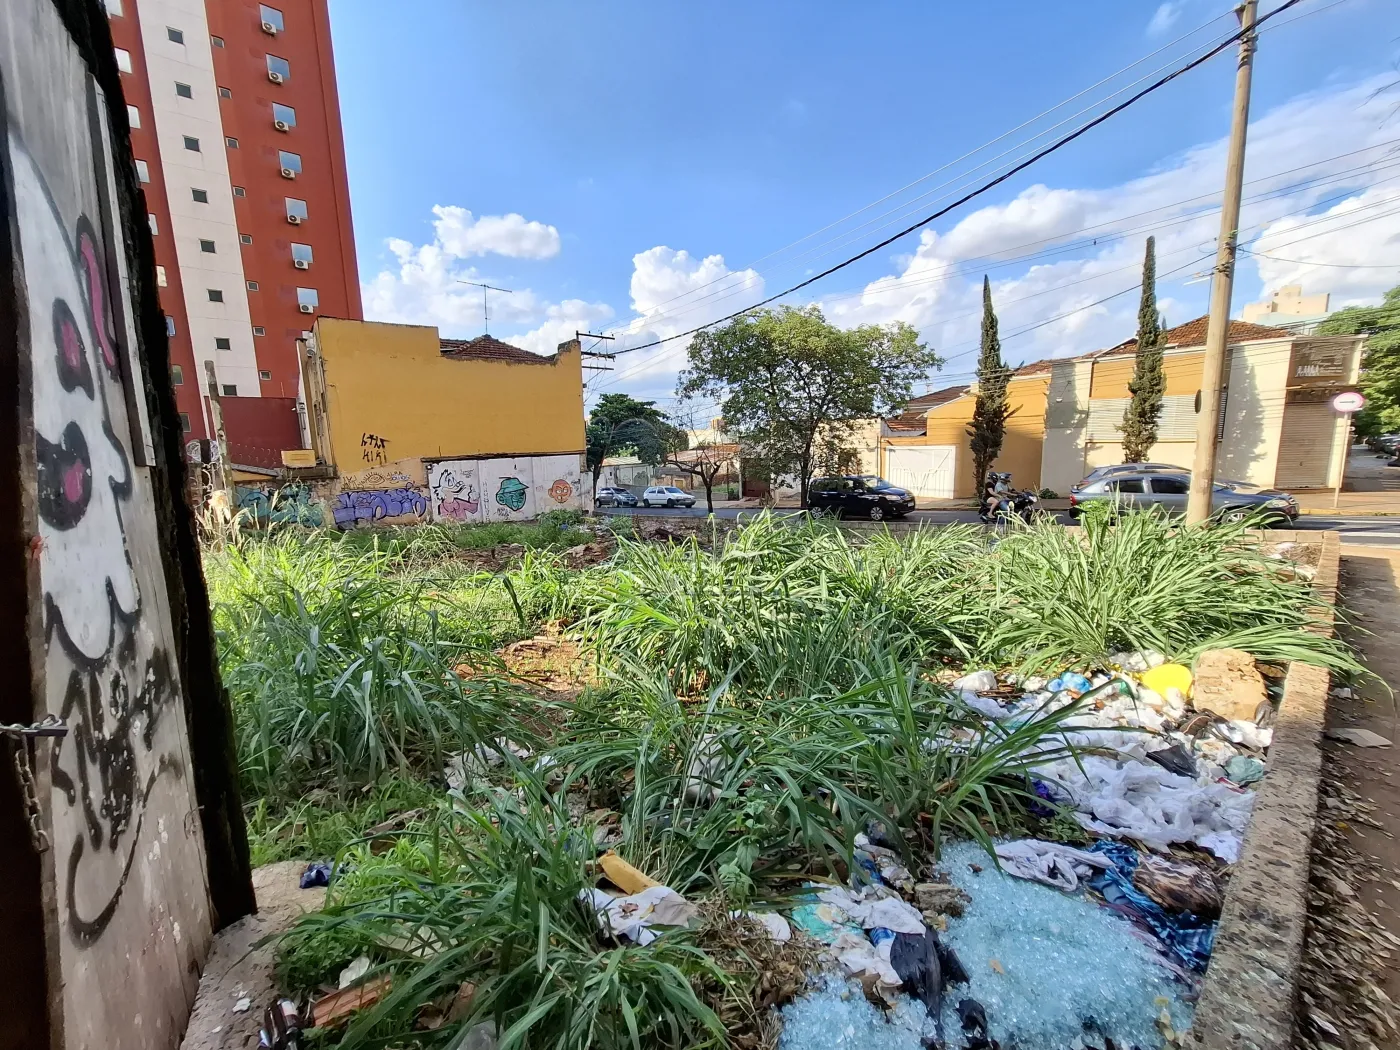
(382, 494)
(505, 489)
(131, 913)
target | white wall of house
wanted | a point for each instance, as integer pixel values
(1254, 407)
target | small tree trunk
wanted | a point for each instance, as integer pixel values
(709, 493)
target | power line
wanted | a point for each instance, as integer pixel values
(1339, 266)
(944, 167)
(990, 184)
(656, 361)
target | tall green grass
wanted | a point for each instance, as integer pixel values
(491, 897)
(341, 670)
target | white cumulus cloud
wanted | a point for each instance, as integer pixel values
(1054, 253)
(427, 285)
(510, 235)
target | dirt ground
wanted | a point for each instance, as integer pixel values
(237, 971)
(1354, 911)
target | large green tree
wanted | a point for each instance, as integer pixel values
(1380, 364)
(990, 412)
(1149, 382)
(620, 424)
(790, 384)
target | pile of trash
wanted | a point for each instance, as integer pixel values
(1165, 755)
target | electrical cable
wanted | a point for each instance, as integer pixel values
(949, 164)
(990, 184)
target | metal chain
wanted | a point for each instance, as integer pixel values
(21, 738)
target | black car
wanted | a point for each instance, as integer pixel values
(859, 496)
(610, 496)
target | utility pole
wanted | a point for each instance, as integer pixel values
(1198, 503)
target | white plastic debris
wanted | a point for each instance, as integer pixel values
(465, 767)
(976, 682)
(1137, 662)
(859, 956)
(703, 770)
(777, 926)
(872, 910)
(243, 1005)
(1051, 863)
(1247, 733)
(1141, 800)
(984, 705)
(634, 916)
(352, 973)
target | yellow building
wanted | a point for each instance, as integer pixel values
(1277, 426)
(415, 427)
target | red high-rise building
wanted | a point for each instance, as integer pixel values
(236, 133)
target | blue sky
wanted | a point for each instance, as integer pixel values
(641, 167)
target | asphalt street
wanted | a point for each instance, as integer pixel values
(1367, 531)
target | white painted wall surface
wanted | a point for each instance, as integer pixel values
(175, 117)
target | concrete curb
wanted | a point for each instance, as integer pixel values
(1247, 998)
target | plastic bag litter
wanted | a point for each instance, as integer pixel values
(1052, 863)
(976, 682)
(1141, 800)
(634, 916)
(464, 767)
(858, 955)
(776, 926)
(870, 909)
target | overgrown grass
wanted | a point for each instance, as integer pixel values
(491, 897)
(762, 702)
(342, 671)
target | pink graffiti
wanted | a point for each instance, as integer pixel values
(458, 509)
(97, 294)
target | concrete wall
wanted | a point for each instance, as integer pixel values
(101, 565)
(392, 395)
(506, 489)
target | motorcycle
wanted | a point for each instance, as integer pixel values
(1001, 503)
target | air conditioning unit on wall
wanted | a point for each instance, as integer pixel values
(269, 29)
(276, 78)
(295, 220)
(281, 125)
(306, 308)
(288, 173)
(301, 264)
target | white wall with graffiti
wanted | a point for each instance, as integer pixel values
(505, 489)
(130, 888)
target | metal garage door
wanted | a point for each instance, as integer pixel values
(925, 470)
(1306, 446)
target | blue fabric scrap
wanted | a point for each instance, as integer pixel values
(1186, 936)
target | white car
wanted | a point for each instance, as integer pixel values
(667, 496)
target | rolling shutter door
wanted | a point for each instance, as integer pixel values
(1305, 446)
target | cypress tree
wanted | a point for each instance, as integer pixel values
(989, 414)
(1148, 383)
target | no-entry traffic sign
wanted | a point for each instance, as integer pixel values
(1348, 402)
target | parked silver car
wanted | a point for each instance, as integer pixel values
(667, 496)
(1160, 488)
(1099, 473)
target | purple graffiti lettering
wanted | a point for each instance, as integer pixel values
(352, 507)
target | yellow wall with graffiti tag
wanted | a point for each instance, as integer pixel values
(392, 395)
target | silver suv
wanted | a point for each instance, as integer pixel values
(1231, 500)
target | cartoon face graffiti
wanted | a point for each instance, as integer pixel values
(561, 491)
(512, 493)
(456, 497)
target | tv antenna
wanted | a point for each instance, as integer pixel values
(485, 307)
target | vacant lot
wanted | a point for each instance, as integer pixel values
(463, 720)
